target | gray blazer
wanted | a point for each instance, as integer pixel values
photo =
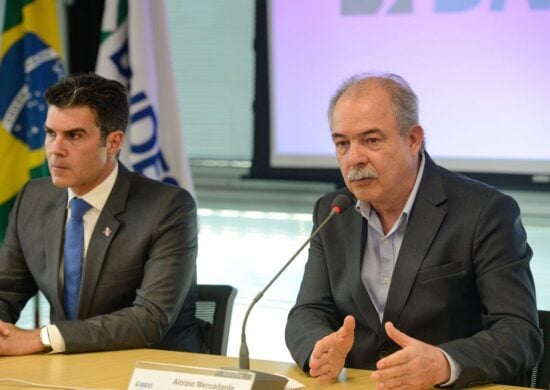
(139, 276)
(461, 282)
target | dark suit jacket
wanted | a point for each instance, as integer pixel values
(461, 282)
(138, 282)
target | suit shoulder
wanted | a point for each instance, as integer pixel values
(469, 190)
(39, 195)
(42, 187)
(155, 188)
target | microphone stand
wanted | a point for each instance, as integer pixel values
(244, 360)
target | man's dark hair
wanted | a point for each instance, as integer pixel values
(108, 99)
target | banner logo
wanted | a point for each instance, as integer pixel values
(371, 7)
(146, 155)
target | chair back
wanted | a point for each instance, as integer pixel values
(213, 310)
(540, 378)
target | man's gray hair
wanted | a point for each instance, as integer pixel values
(404, 100)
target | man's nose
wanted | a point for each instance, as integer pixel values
(356, 155)
(55, 146)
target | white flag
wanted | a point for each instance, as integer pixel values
(135, 50)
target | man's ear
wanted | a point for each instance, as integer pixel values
(416, 138)
(114, 142)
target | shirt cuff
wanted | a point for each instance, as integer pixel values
(456, 369)
(56, 339)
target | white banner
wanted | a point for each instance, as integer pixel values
(135, 50)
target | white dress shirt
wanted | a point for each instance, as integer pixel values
(96, 197)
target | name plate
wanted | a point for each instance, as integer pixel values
(149, 375)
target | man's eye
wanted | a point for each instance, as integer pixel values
(340, 144)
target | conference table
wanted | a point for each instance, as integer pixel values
(113, 370)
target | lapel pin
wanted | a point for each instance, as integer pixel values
(107, 231)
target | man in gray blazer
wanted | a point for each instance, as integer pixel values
(427, 281)
(139, 244)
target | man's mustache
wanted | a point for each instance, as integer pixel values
(366, 172)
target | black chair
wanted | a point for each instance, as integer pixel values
(213, 310)
(540, 378)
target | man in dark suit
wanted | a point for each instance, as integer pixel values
(136, 280)
(427, 280)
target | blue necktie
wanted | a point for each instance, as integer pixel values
(74, 245)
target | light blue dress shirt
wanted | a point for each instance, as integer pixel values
(382, 249)
(381, 255)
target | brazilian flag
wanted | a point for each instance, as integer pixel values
(30, 61)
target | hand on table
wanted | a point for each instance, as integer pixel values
(17, 341)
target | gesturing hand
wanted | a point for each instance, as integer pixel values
(416, 366)
(329, 354)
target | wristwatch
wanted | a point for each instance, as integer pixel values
(45, 340)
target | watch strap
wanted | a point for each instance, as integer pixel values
(45, 340)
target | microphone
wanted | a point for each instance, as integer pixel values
(339, 205)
